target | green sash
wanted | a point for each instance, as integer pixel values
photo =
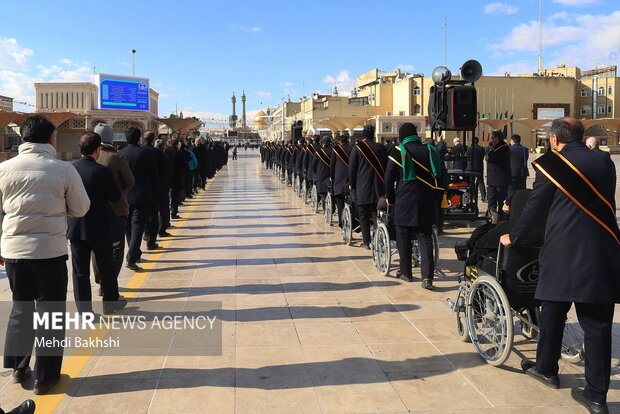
(407, 160)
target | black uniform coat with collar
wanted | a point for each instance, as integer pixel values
(362, 176)
(322, 169)
(498, 165)
(579, 260)
(339, 172)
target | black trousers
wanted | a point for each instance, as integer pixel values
(596, 320)
(164, 211)
(175, 199)
(480, 185)
(496, 196)
(339, 201)
(366, 213)
(44, 281)
(404, 239)
(152, 224)
(134, 230)
(81, 251)
(118, 249)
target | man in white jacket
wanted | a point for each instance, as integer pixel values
(37, 193)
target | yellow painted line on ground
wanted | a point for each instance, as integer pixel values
(74, 364)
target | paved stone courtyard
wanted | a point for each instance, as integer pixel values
(312, 326)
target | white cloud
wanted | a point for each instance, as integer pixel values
(164, 96)
(578, 3)
(263, 94)
(582, 40)
(239, 28)
(342, 81)
(287, 84)
(405, 68)
(17, 85)
(66, 61)
(13, 56)
(500, 8)
(516, 68)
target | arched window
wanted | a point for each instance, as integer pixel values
(417, 91)
(610, 90)
(416, 109)
(609, 108)
(601, 109)
(585, 92)
(601, 91)
(585, 110)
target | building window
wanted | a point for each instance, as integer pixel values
(609, 108)
(601, 91)
(417, 91)
(601, 109)
(47, 101)
(585, 110)
(585, 92)
(609, 90)
(416, 109)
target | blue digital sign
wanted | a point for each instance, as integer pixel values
(120, 92)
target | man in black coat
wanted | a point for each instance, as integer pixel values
(322, 168)
(179, 166)
(579, 259)
(442, 147)
(200, 151)
(592, 143)
(152, 226)
(141, 196)
(339, 172)
(518, 165)
(366, 179)
(414, 196)
(475, 157)
(95, 231)
(498, 172)
(458, 152)
(164, 196)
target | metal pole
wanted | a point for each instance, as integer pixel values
(133, 62)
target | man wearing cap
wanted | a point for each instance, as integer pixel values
(498, 173)
(124, 179)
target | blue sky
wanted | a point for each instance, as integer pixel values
(197, 52)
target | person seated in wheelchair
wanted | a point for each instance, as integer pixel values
(480, 249)
(339, 173)
(321, 168)
(412, 185)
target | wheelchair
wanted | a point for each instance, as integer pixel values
(384, 243)
(329, 209)
(314, 199)
(497, 289)
(296, 183)
(350, 221)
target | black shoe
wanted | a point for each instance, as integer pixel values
(591, 406)
(153, 246)
(403, 277)
(427, 284)
(365, 246)
(529, 367)
(164, 234)
(21, 375)
(175, 216)
(27, 407)
(114, 305)
(41, 388)
(132, 266)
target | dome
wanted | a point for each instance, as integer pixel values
(259, 115)
(259, 121)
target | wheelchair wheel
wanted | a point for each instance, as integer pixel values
(382, 249)
(461, 320)
(296, 185)
(489, 320)
(528, 331)
(329, 209)
(304, 191)
(415, 253)
(573, 350)
(435, 236)
(347, 225)
(314, 200)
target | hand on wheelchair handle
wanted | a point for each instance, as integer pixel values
(505, 240)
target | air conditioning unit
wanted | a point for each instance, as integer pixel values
(388, 113)
(401, 113)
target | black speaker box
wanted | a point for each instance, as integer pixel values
(457, 111)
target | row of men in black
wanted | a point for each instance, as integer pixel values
(360, 170)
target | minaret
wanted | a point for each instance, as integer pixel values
(243, 119)
(232, 120)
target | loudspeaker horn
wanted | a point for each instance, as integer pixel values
(471, 71)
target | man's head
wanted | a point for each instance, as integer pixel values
(475, 140)
(317, 139)
(150, 137)
(515, 139)
(456, 141)
(133, 135)
(564, 131)
(105, 132)
(497, 137)
(173, 142)
(160, 144)
(592, 143)
(369, 132)
(326, 141)
(90, 144)
(37, 129)
(406, 130)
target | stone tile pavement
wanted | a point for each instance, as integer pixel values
(311, 326)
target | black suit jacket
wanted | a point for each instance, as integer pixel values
(498, 165)
(518, 160)
(415, 203)
(145, 171)
(363, 179)
(158, 158)
(98, 224)
(459, 151)
(475, 155)
(579, 259)
(339, 172)
(322, 170)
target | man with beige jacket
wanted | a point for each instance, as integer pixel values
(37, 193)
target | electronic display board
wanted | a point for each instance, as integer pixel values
(123, 92)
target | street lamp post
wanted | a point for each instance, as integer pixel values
(133, 62)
